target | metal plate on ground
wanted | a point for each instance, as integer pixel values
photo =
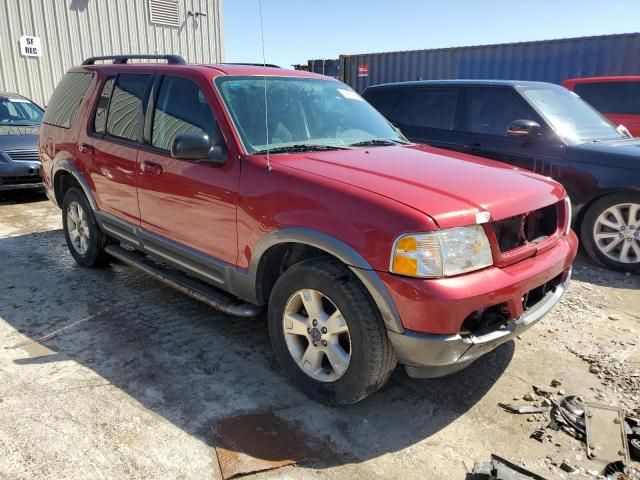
(256, 442)
(606, 438)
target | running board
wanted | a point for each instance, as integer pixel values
(178, 280)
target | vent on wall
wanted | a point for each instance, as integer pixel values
(164, 12)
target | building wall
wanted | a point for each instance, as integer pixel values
(72, 30)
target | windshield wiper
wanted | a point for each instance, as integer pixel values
(310, 147)
(377, 142)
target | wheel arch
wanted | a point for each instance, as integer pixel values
(285, 247)
(584, 208)
(65, 176)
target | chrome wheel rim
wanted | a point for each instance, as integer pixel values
(617, 233)
(317, 335)
(78, 228)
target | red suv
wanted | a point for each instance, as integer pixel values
(367, 249)
(617, 98)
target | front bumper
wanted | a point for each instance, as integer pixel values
(16, 175)
(428, 356)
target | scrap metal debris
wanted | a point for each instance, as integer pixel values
(262, 441)
(516, 408)
(538, 434)
(606, 437)
(500, 469)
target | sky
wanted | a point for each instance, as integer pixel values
(299, 30)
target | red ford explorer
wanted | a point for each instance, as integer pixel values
(368, 250)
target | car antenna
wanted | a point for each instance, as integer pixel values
(266, 107)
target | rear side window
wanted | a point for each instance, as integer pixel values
(491, 110)
(385, 100)
(612, 97)
(181, 107)
(66, 99)
(125, 116)
(100, 119)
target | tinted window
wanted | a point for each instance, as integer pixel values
(181, 108)
(491, 110)
(66, 99)
(385, 100)
(612, 97)
(124, 119)
(427, 108)
(100, 119)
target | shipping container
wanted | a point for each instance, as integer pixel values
(547, 61)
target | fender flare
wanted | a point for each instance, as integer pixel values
(337, 248)
(66, 165)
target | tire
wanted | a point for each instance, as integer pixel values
(613, 239)
(90, 252)
(371, 357)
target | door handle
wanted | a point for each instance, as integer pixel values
(152, 168)
(86, 148)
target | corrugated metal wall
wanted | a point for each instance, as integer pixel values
(72, 30)
(549, 61)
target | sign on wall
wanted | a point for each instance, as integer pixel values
(363, 70)
(30, 46)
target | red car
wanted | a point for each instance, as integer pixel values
(618, 98)
(367, 249)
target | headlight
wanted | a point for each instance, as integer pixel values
(568, 213)
(442, 253)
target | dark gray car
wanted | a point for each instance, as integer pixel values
(19, 125)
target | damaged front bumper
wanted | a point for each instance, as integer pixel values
(430, 356)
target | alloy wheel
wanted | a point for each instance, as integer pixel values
(78, 228)
(617, 233)
(317, 335)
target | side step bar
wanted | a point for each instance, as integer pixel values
(173, 278)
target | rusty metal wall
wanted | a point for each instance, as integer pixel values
(548, 61)
(72, 30)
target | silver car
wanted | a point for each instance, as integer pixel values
(19, 124)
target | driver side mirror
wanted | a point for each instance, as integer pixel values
(524, 128)
(198, 147)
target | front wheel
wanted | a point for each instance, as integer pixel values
(84, 238)
(327, 334)
(610, 231)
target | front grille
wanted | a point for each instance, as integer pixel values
(532, 227)
(23, 155)
(20, 180)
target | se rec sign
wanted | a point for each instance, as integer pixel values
(30, 46)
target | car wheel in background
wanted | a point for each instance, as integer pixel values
(85, 240)
(327, 334)
(610, 231)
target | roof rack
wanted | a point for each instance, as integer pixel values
(121, 59)
(252, 64)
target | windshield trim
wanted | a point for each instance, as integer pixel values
(246, 149)
(565, 140)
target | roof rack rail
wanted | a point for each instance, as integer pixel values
(252, 64)
(121, 59)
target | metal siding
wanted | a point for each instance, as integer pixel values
(548, 61)
(72, 30)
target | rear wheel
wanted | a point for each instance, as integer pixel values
(327, 334)
(84, 238)
(610, 231)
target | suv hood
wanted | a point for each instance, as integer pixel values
(448, 186)
(615, 153)
(18, 138)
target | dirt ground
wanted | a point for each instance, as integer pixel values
(109, 374)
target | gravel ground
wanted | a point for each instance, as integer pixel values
(108, 374)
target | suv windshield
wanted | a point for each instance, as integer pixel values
(303, 114)
(19, 112)
(570, 116)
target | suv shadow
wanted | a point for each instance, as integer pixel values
(192, 365)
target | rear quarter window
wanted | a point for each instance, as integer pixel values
(622, 98)
(66, 99)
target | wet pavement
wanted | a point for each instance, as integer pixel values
(106, 373)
